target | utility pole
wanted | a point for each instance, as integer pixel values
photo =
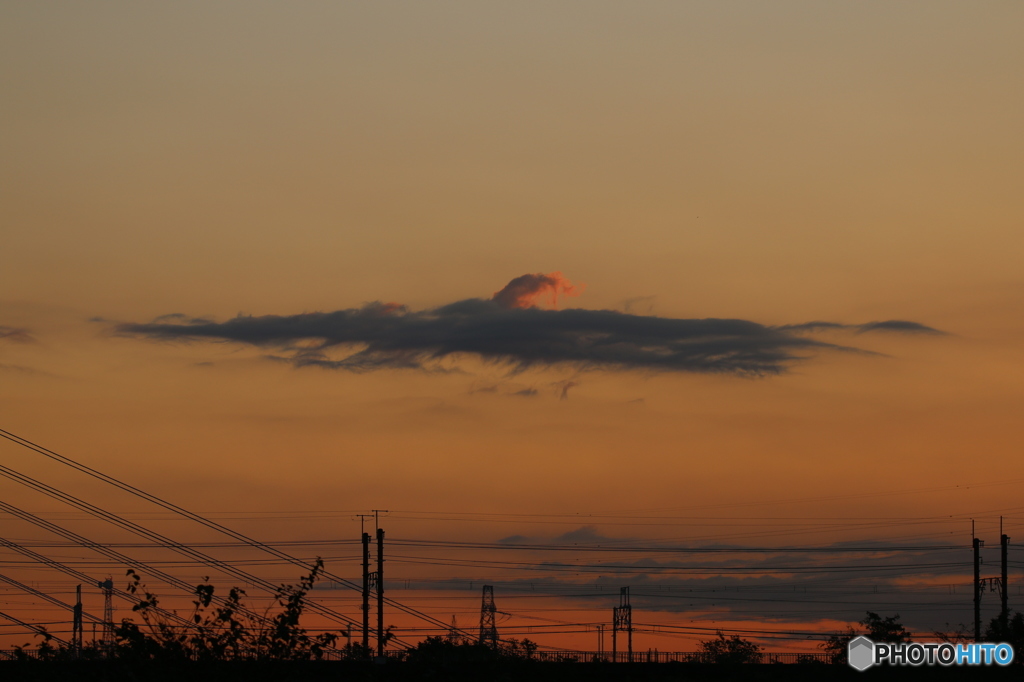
(977, 587)
(488, 619)
(366, 593)
(622, 621)
(76, 623)
(600, 641)
(1004, 546)
(380, 592)
(615, 637)
(108, 615)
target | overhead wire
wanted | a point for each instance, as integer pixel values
(865, 522)
(89, 471)
(158, 538)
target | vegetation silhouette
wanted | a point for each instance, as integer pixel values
(453, 650)
(729, 650)
(877, 629)
(216, 630)
(1009, 629)
(226, 630)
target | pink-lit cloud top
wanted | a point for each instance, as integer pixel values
(524, 291)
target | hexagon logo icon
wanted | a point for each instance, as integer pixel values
(860, 652)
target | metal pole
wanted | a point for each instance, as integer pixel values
(76, 623)
(380, 591)
(1004, 541)
(615, 637)
(629, 635)
(977, 589)
(366, 593)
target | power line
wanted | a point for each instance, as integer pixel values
(46, 597)
(123, 559)
(680, 550)
(158, 538)
(205, 522)
(34, 628)
(78, 575)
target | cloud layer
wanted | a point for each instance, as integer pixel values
(928, 583)
(509, 330)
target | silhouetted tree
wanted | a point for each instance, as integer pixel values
(877, 629)
(455, 649)
(961, 634)
(835, 645)
(1009, 629)
(517, 648)
(730, 650)
(885, 629)
(437, 649)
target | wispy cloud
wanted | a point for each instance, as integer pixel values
(16, 335)
(508, 329)
(899, 326)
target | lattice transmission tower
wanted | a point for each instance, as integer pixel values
(107, 638)
(488, 619)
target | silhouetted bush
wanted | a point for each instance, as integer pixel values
(222, 630)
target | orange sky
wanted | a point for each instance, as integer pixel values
(778, 163)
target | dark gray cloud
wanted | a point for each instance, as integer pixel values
(563, 388)
(901, 326)
(585, 534)
(505, 388)
(379, 336)
(897, 326)
(16, 334)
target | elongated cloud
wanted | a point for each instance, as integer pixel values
(507, 329)
(16, 334)
(901, 326)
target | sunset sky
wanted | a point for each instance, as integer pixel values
(185, 187)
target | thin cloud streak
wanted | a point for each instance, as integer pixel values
(16, 335)
(898, 326)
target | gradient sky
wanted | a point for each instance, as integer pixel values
(779, 162)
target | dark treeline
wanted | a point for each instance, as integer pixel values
(223, 639)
